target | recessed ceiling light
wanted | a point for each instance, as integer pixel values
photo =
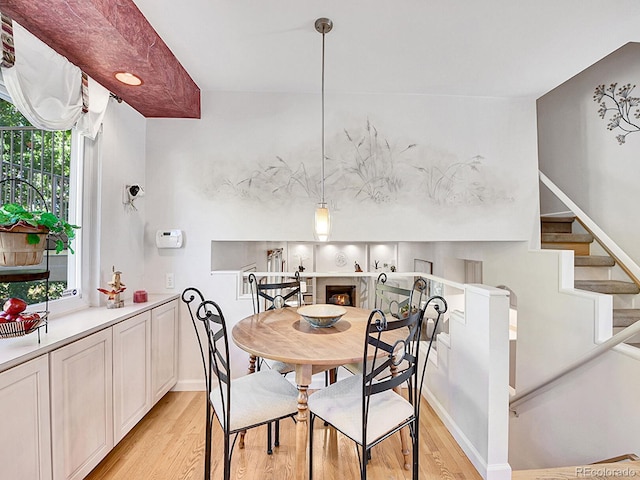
(128, 78)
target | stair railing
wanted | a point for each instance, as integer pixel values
(613, 250)
(604, 347)
(625, 262)
(619, 262)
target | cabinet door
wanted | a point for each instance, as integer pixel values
(81, 405)
(25, 434)
(164, 349)
(131, 373)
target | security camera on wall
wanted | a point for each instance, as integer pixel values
(136, 191)
(132, 193)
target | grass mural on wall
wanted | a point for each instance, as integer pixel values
(373, 171)
(448, 184)
(367, 167)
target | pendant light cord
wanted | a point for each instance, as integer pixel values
(323, 117)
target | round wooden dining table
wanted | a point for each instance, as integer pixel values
(283, 335)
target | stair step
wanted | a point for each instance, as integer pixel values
(624, 317)
(558, 219)
(582, 249)
(556, 227)
(566, 238)
(556, 224)
(580, 243)
(607, 286)
(593, 261)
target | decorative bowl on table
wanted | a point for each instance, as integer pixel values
(322, 315)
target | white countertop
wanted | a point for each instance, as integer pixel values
(67, 328)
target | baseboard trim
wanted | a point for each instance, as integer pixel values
(487, 472)
(189, 386)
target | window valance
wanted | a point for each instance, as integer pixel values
(46, 88)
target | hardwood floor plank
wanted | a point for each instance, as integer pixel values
(168, 444)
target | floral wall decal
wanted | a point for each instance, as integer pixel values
(618, 102)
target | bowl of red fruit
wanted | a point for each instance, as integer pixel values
(15, 321)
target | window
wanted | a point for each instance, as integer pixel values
(50, 162)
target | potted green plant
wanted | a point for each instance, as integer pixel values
(23, 234)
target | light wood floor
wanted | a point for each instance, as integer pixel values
(168, 444)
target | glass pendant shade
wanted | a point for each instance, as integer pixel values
(322, 226)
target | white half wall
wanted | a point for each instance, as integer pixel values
(467, 385)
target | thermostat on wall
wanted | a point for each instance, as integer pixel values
(169, 238)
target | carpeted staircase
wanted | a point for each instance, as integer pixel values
(558, 233)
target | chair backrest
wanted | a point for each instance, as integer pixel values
(210, 314)
(270, 295)
(398, 301)
(395, 346)
(192, 297)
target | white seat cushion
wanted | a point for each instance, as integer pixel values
(356, 369)
(340, 404)
(280, 367)
(257, 398)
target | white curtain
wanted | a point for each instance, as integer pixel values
(47, 89)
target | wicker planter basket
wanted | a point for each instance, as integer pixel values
(14, 249)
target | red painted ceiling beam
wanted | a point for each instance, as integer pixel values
(102, 37)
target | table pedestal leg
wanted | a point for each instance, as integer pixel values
(404, 433)
(252, 364)
(303, 379)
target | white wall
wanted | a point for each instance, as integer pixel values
(589, 415)
(555, 322)
(123, 161)
(582, 157)
(191, 163)
(231, 164)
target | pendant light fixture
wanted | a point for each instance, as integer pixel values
(322, 217)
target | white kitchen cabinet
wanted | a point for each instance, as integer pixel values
(62, 410)
(81, 405)
(131, 373)
(164, 349)
(25, 439)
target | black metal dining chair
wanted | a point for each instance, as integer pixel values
(395, 302)
(398, 301)
(239, 404)
(270, 295)
(369, 408)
